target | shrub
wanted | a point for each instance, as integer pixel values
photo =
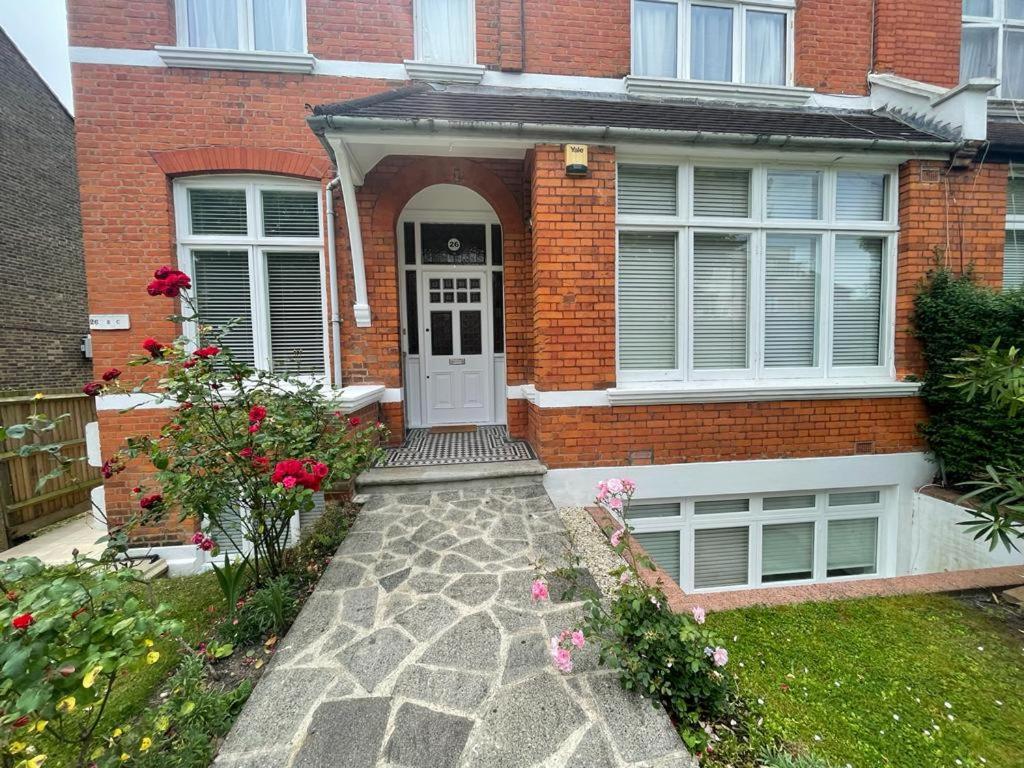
(268, 610)
(66, 634)
(953, 316)
(671, 658)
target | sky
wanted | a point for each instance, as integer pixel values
(40, 30)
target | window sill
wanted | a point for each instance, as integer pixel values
(247, 61)
(665, 87)
(434, 72)
(356, 397)
(783, 389)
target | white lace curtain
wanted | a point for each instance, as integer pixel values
(655, 32)
(711, 43)
(277, 25)
(766, 48)
(445, 30)
(213, 23)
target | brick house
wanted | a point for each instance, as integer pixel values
(663, 239)
(43, 315)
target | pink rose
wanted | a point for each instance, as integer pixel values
(539, 590)
(197, 539)
(577, 638)
(289, 482)
(698, 614)
(615, 485)
(628, 486)
(720, 656)
(561, 657)
(615, 504)
(617, 537)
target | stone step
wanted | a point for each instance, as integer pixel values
(416, 479)
(152, 570)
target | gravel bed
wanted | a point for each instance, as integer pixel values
(592, 547)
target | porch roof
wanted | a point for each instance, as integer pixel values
(544, 114)
(1006, 138)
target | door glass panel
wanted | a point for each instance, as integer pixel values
(470, 330)
(449, 297)
(461, 283)
(454, 243)
(412, 317)
(410, 242)
(435, 297)
(474, 298)
(435, 283)
(441, 334)
(498, 300)
(496, 253)
(461, 297)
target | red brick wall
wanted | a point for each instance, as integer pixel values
(573, 271)
(582, 37)
(919, 39)
(591, 437)
(953, 218)
(833, 45)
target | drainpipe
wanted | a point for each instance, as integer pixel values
(332, 271)
(361, 309)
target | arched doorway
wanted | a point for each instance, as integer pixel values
(451, 295)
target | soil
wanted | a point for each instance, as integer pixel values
(994, 605)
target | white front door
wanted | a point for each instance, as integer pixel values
(458, 355)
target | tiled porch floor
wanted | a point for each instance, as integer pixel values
(423, 448)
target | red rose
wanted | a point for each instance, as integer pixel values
(188, 363)
(207, 352)
(260, 463)
(355, 421)
(93, 388)
(111, 374)
(257, 413)
(162, 273)
(245, 453)
(321, 470)
(136, 489)
(152, 501)
(178, 279)
(156, 287)
(185, 406)
(154, 347)
(111, 467)
(23, 622)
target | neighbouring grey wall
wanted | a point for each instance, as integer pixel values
(43, 307)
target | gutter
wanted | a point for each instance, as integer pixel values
(332, 270)
(611, 135)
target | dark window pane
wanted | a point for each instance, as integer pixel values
(454, 243)
(435, 283)
(412, 318)
(498, 294)
(471, 332)
(461, 297)
(435, 297)
(441, 334)
(496, 253)
(410, 243)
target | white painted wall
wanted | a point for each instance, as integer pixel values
(939, 544)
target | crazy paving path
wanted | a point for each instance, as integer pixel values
(420, 648)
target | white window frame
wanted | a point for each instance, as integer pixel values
(246, 32)
(418, 15)
(999, 22)
(739, 30)
(257, 246)
(685, 224)
(1014, 223)
(687, 523)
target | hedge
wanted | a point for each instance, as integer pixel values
(953, 313)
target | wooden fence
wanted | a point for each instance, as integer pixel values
(24, 507)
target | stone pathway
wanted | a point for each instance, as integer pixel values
(420, 648)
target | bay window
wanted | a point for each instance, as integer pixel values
(765, 540)
(713, 41)
(1013, 255)
(246, 25)
(992, 44)
(754, 273)
(445, 31)
(254, 251)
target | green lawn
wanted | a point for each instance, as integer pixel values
(914, 682)
(189, 599)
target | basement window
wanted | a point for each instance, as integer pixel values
(764, 540)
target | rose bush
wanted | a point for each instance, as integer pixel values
(66, 634)
(670, 657)
(244, 451)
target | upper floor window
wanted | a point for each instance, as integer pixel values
(246, 25)
(717, 41)
(992, 44)
(445, 31)
(733, 272)
(1013, 255)
(254, 249)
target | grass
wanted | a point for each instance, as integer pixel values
(189, 599)
(909, 682)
